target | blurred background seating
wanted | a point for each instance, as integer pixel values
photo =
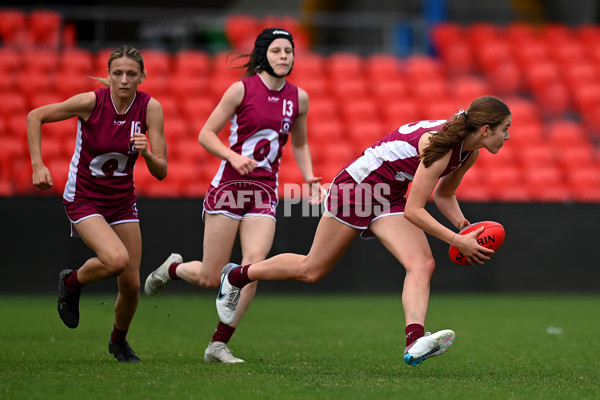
(547, 72)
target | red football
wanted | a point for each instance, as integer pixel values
(492, 237)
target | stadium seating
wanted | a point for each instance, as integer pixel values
(548, 75)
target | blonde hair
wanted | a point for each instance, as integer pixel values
(485, 110)
(123, 51)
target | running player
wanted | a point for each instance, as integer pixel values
(369, 196)
(99, 196)
(264, 110)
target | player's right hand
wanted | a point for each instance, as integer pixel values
(42, 180)
(243, 165)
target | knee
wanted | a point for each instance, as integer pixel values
(116, 262)
(130, 289)
(208, 281)
(310, 273)
(423, 266)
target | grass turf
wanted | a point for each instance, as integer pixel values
(305, 347)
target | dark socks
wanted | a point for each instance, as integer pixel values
(223, 333)
(414, 332)
(172, 273)
(239, 276)
(72, 283)
(117, 336)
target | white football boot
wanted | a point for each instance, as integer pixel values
(428, 346)
(219, 352)
(160, 277)
(228, 296)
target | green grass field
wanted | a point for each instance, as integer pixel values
(306, 347)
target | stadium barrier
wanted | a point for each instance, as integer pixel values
(548, 248)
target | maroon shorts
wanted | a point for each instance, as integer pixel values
(239, 199)
(79, 210)
(359, 204)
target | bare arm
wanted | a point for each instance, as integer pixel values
(156, 156)
(422, 187)
(80, 105)
(216, 122)
(302, 151)
(445, 193)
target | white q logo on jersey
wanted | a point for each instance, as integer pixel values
(109, 164)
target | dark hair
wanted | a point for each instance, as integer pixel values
(485, 110)
(257, 60)
(124, 51)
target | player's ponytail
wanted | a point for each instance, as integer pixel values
(485, 110)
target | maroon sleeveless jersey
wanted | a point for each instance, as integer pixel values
(101, 169)
(259, 130)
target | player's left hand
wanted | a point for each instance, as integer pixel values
(140, 143)
(315, 190)
(463, 224)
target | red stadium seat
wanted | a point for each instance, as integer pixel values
(13, 103)
(527, 134)
(439, 109)
(553, 99)
(354, 88)
(492, 54)
(170, 106)
(480, 34)
(156, 85)
(579, 155)
(77, 61)
(39, 99)
(323, 110)
(385, 92)
(400, 112)
(40, 62)
(523, 110)
(325, 133)
(218, 84)
(241, 31)
(359, 109)
(363, 134)
(317, 86)
(467, 88)
(420, 69)
(542, 155)
(13, 27)
(381, 68)
(542, 182)
(426, 91)
(10, 60)
(199, 107)
(191, 63)
(182, 88)
(308, 65)
(177, 131)
(156, 62)
(506, 78)
(344, 66)
(68, 84)
(566, 133)
(45, 28)
(12, 149)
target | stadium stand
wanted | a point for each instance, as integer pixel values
(553, 91)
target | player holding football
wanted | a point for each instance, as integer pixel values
(264, 110)
(369, 196)
(99, 196)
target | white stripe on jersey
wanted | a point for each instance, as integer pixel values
(373, 158)
(69, 192)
